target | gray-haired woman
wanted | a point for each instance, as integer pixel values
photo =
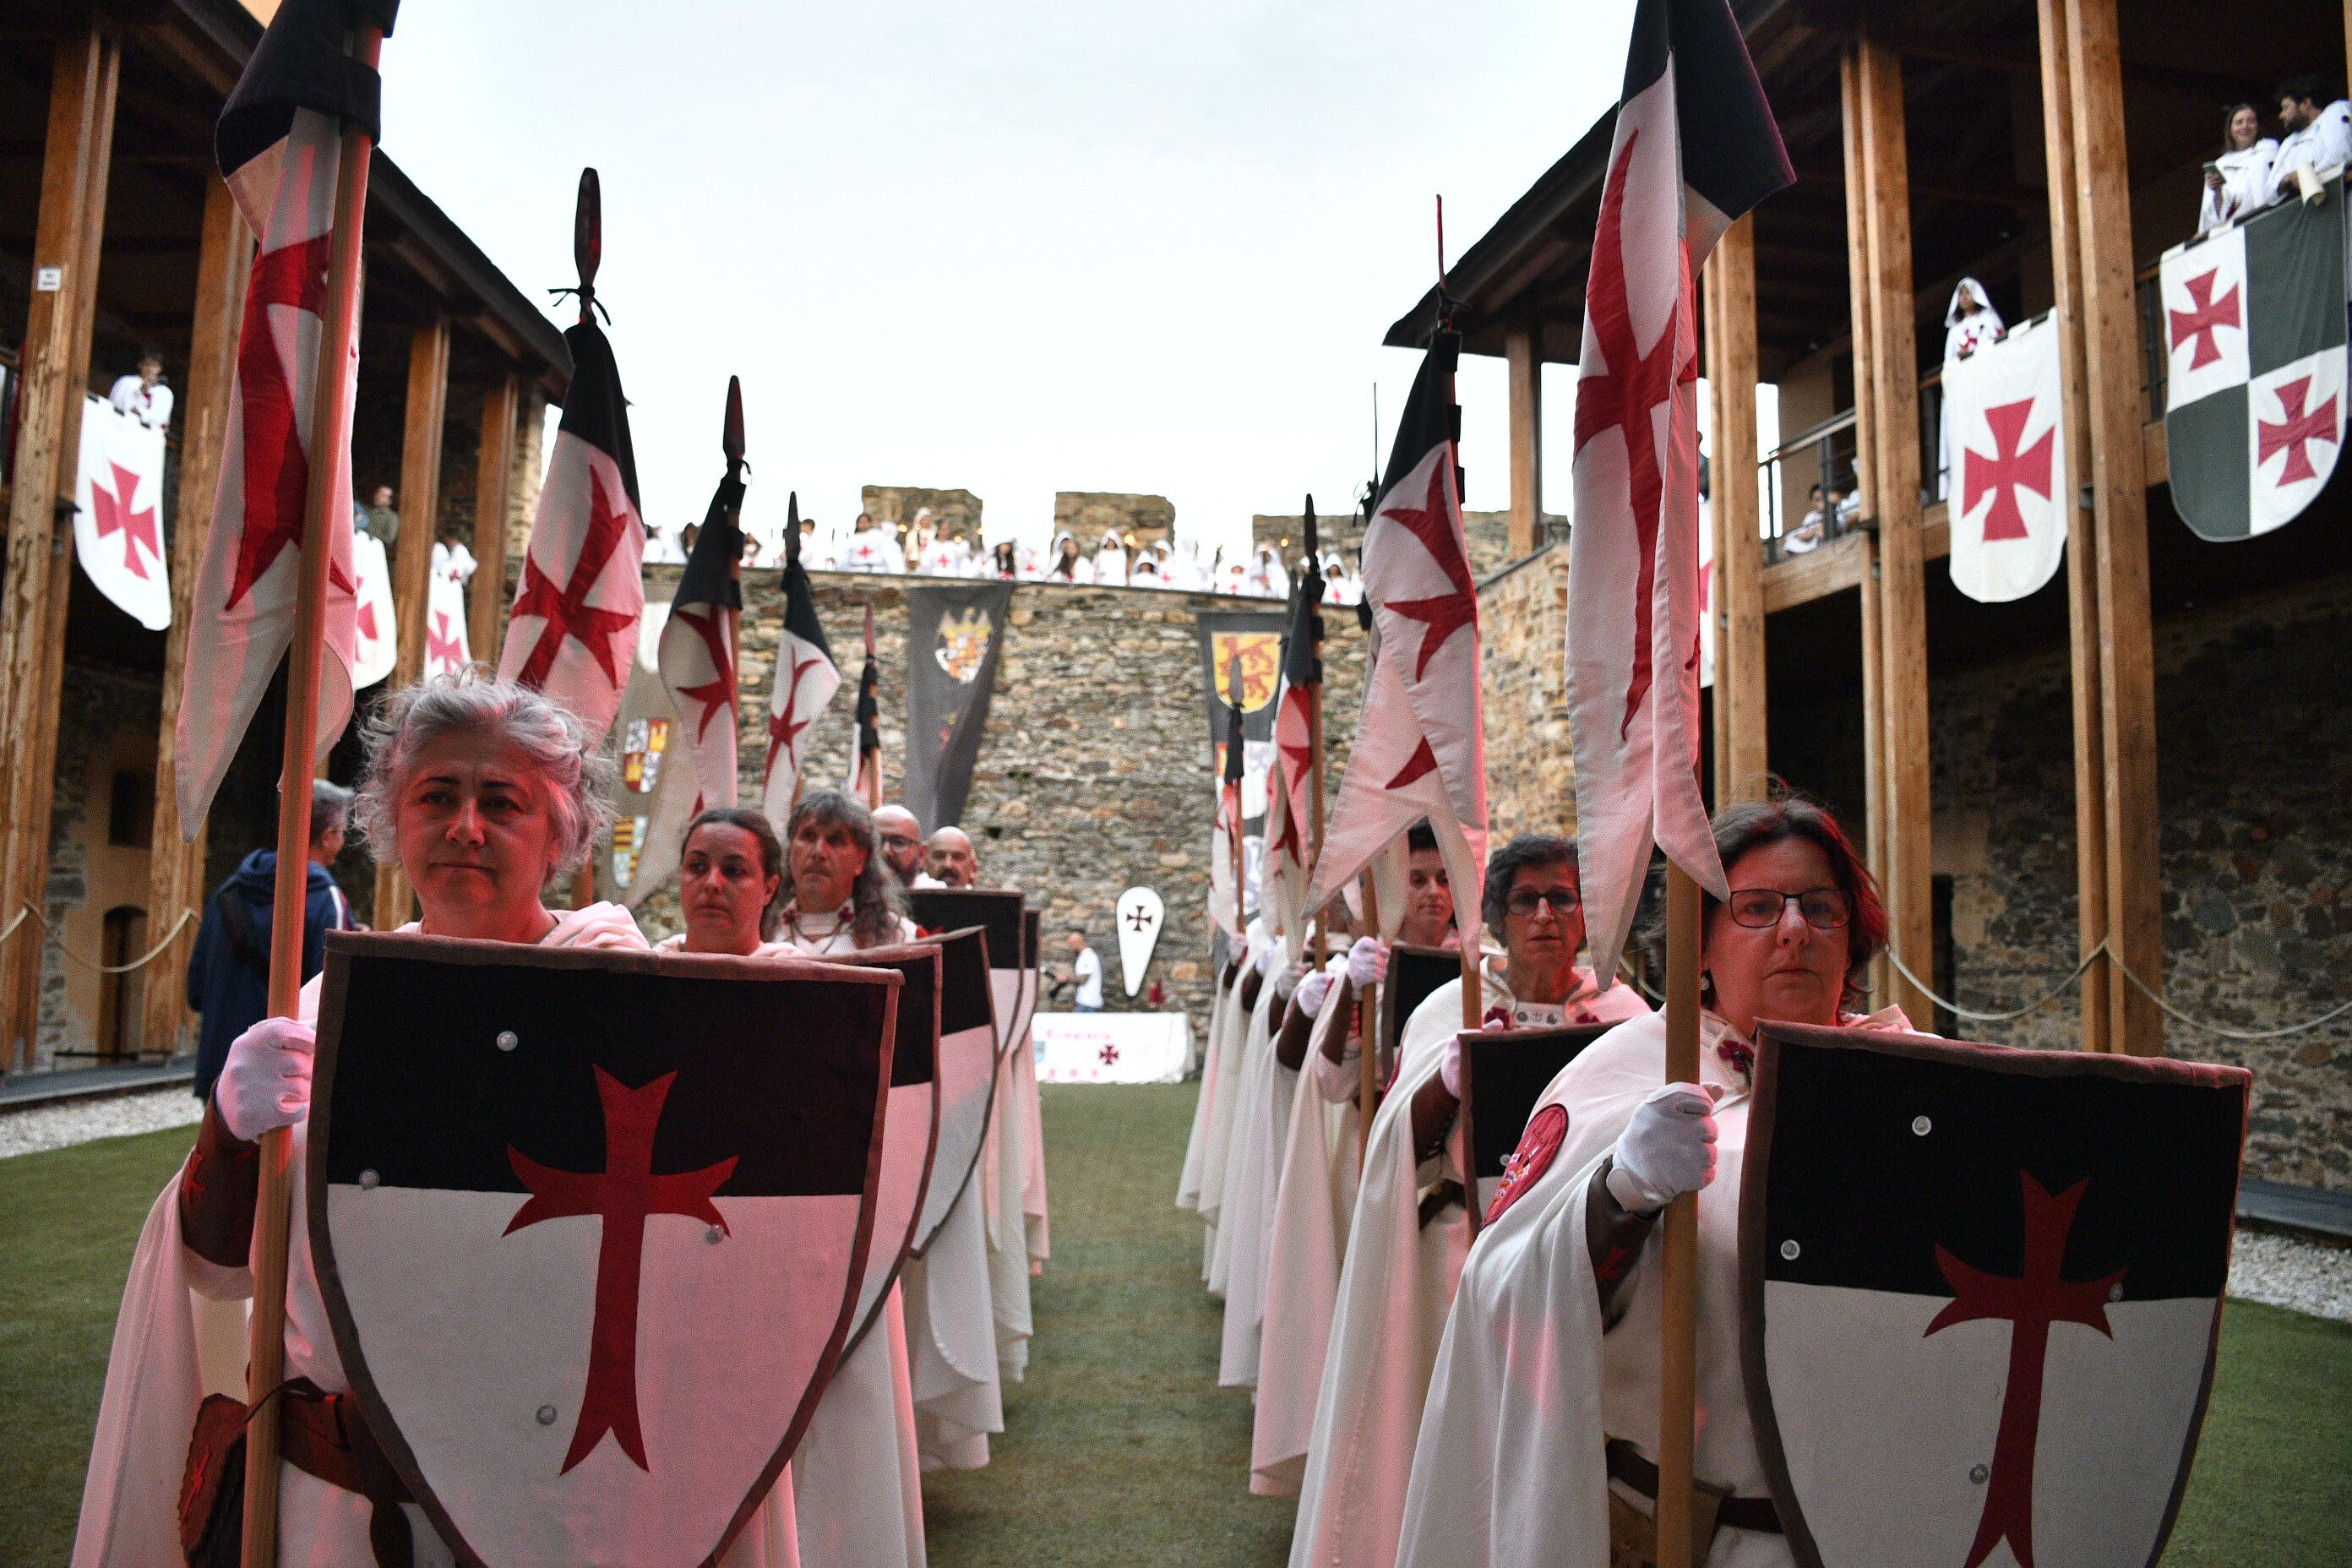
(839, 895)
(483, 791)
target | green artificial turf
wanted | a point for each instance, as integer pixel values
(1119, 1449)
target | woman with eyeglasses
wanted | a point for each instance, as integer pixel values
(1570, 1245)
(1409, 1234)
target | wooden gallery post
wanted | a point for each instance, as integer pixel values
(1737, 599)
(420, 520)
(56, 371)
(1889, 358)
(1523, 353)
(175, 871)
(494, 486)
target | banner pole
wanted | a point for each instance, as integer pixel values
(330, 408)
(1367, 1023)
(1678, 1295)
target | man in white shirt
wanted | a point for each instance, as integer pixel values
(1086, 972)
(144, 397)
(2317, 139)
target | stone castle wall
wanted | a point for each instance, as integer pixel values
(1086, 515)
(1530, 776)
(956, 512)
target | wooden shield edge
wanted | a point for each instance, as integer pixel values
(906, 1243)
(344, 946)
(1755, 1175)
(989, 1109)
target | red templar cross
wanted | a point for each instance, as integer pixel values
(1622, 396)
(1433, 522)
(784, 728)
(566, 610)
(442, 649)
(2296, 428)
(2034, 1301)
(623, 1194)
(277, 469)
(718, 693)
(2006, 470)
(2204, 318)
(115, 516)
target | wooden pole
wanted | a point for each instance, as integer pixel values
(1522, 347)
(36, 583)
(1678, 1291)
(1315, 735)
(2115, 471)
(1368, 1030)
(494, 479)
(176, 869)
(412, 564)
(1866, 420)
(2083, 611)
(329, 418)
(1739, 684)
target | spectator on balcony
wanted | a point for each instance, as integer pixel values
(384, 522)
(871, 549)
(2317, 138)
(1845, 504)
(2237, 179)
(1808, 535)
(1068, 566)
(1970, 322)
(143, 395)
(1111, 561)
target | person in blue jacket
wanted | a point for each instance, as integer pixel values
(228, 975)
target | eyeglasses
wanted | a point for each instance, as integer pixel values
(1563, 900)
(900, 841)
(1759, 909)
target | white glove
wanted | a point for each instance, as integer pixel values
(266, 1082)
(1338, 1081)
(1449, 1070)
(1311, 993)
(1269, 958)
(1368, 962)
(603, 925)
(1667, 1150)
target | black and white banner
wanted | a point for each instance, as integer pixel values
(952, 642)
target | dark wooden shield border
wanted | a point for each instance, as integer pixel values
(1755, 1174)
(1420, 963)
(963, 1183)
(879, 957)
(345, 947)
(1575, 1036)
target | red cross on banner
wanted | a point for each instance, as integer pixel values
(2006, 470)
(2203, 320)
(2298, 426)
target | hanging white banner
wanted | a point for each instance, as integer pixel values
(2004, 407)
(119, 512)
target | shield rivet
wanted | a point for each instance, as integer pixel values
(508, 1040)
(546, 1414)
(713, 1236)
(1788, 1249)
(1922, 1126)
(368, 1180)
(1979, 1474)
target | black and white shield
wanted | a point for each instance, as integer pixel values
(2252, 324)
(1504, 1073)
(1000, 914)
(1414, 974)
(1980, 1294)
(966, 1075)
(910, 1140)
(590, 1227)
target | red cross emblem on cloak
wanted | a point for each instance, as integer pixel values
(623, 1195)
(441, 645)
(2006, 470)
(277, 469)
(115, 516)
(2038, 1297)
(566, 609)
(1623, 395)
(364, 622)
(2204, 318)
(2296, 428)
(784, 728)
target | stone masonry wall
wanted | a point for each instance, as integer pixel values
(955, 511)
(1530, 776)
(1086, 515)
(108, 722)
(1095, 774)
(2254, 786)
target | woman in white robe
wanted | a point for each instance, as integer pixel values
(1111, 562)
(1510, 1470)
(2239, 177)
(1068, 565)
(1409, 1234)
(862, 1437)
(486, 793)
(1266, 578)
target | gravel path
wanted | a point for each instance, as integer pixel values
(80, 1120)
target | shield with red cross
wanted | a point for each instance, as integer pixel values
(2252, 322)
(2004, 421)
(590, 1227)
(1979, 1293)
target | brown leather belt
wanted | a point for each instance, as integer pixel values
(323, 1435)
(1757, 1513)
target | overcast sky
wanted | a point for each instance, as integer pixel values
(1055, 245)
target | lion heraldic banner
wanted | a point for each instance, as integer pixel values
(952, 641)
(2252, 324)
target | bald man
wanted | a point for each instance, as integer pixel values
(950, 859)
(902, 846)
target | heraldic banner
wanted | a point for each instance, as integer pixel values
(1254, 636)
(117, 505)
(2004, 406)
(2252, 326)
(952, 647)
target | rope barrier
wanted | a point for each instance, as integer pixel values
(50, 932)
(2178, 1017)
(1975, 1017)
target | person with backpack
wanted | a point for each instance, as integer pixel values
(228, 975)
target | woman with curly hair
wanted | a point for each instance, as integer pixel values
(839, 896)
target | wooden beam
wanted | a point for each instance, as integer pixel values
(494, 478)
(1874, 734)
(55, 367)
(2112, 367)
(1892, 435)
(175, 870)
(1739, 566)
(2083, 611)
(1526, 377)
(419, 504)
